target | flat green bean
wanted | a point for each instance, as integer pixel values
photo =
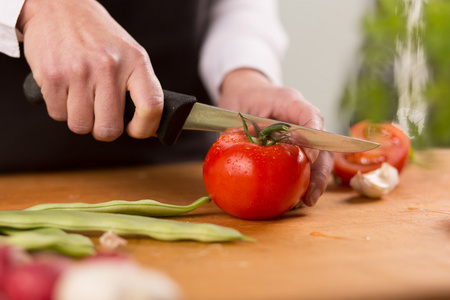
(145, 207)
(160, 229)
(71, 244)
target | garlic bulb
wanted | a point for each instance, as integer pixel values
(376, 183)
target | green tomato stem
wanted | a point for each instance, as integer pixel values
(268, 136)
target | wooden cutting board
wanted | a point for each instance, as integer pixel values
(346, 247)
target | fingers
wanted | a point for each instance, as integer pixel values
(312, 154)
(291, 106)
(245, 91)
(109, 106)
(301, 111)
(55, 94)
(87, 108)
(95, 105)
(320, 172)
(80, 113)
(85, 71)
(147, 95)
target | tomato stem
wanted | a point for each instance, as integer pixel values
(268, 136)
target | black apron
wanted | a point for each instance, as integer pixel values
(171, 31)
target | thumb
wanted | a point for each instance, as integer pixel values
(148, 98)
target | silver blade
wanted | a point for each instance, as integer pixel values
(210, 118)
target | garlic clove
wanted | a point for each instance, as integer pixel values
(376, 183)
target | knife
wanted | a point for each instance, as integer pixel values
(183, 112)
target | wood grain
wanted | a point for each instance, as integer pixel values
(346, 247)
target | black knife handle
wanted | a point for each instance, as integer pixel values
(176, 109)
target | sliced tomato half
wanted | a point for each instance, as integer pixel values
(394, 149)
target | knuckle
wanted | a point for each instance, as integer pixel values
(106, 63)
(289, 93)
(317, 113)
(296, 99)
(138, 53)
(79, 69)
(152, 107)
(51, 74)
(322, 175)
(320, 178)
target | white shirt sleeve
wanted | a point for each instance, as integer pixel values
(9, 37)
(242, 34)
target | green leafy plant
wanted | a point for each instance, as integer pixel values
(371, 92)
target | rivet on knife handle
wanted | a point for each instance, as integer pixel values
(176, 110)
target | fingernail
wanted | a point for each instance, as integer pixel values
(314, 197)
(300, 204)
(312, 154)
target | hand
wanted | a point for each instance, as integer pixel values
(248, 91)
(85, 63)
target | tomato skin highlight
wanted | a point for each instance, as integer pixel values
(250, 181)
(394, 149)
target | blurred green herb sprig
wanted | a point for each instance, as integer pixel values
(371, 92)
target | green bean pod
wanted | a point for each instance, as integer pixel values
(160, 229)
(71, 244)
(145, 207)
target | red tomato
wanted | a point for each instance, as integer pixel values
(251, 181)
(394, 149)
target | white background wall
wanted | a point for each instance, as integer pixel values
(324, 38)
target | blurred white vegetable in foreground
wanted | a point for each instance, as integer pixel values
(114, 279)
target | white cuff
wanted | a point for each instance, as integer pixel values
(239, 53)
(9, 37)
(242, 34)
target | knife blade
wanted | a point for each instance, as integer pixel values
(183, 112)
